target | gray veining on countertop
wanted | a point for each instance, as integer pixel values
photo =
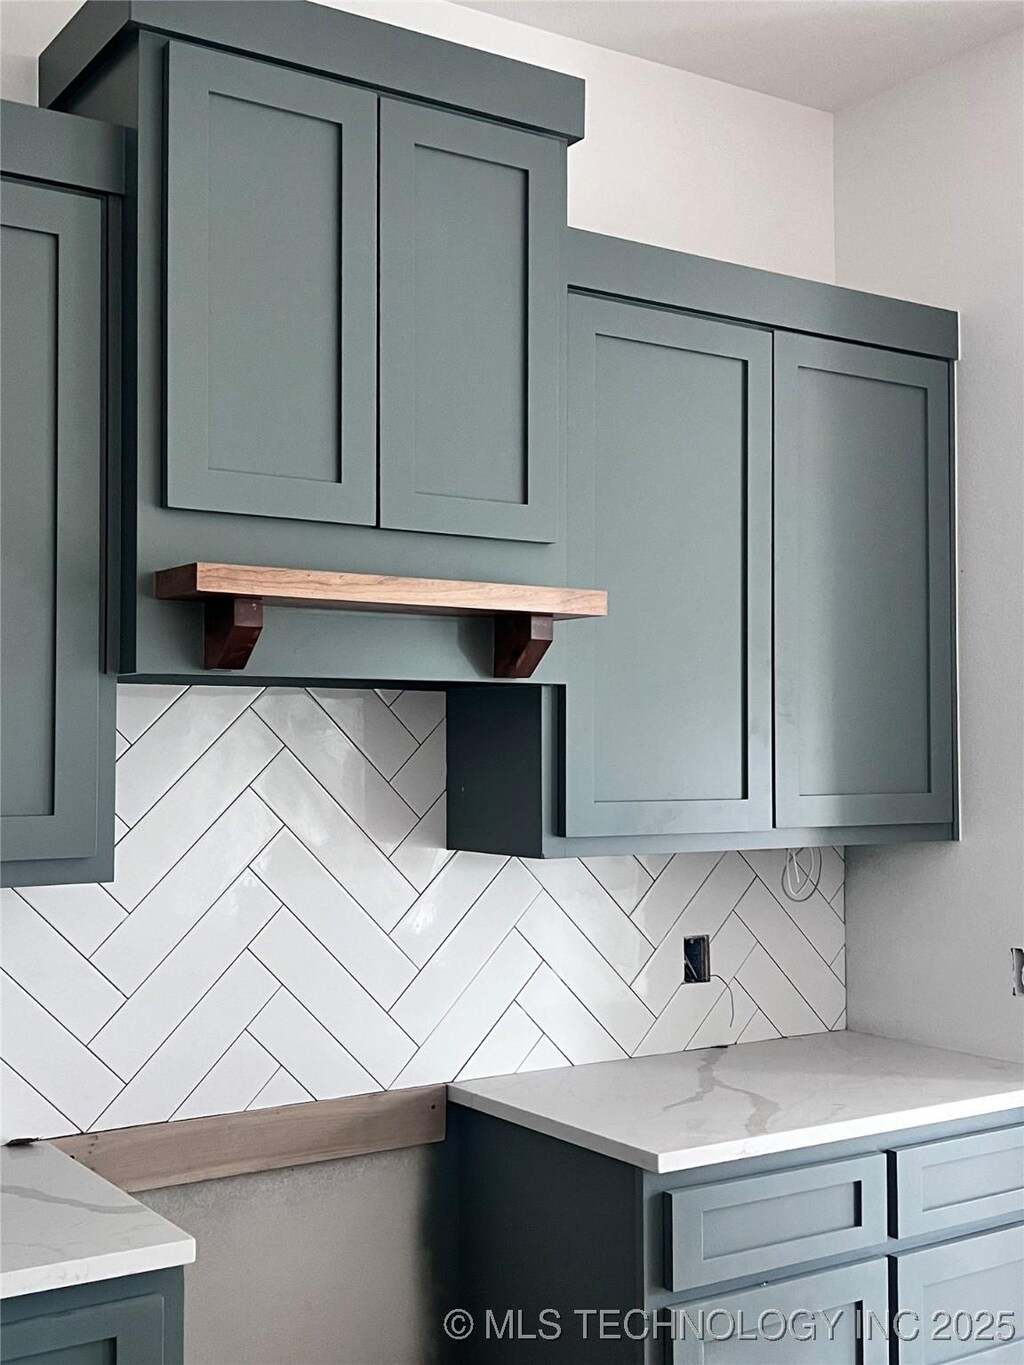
(61, 1224)
(687, 1109)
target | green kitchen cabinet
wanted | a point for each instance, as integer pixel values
(136, 1320)
(670, 498)
(58, 435)
(963, 1300)
(863, 634)
(346, 314)
(471, 225)
(271, 290)
(771, 514)
(790, 1258)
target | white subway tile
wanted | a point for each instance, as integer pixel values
(173, 743)
(317, 820)
(61, 1068)
(340, 768)
(593, 911)
(578, 963)
(370, 724)
(505, 1048)
(202, 1037)
(184, 895)
(324, 906)
(232, 1083)
(333, 996)
(574, 1031)
(185, 812)
(438, 909)
(311, 1055)
(57, 975)
(465, 950)
(473, 1015)
(184, 976)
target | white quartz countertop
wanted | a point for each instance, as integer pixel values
(61, 1224)
(689, 1109)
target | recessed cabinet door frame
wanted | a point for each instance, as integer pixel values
(345, 399)
(131, 1329)
(837, 1315)
(71, 537)
(951, 1298)
(587, 812)
(520, 324)
(859, 589)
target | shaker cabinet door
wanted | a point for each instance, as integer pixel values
(56, 707)
(271, 290)
(863, 635)
(834, 1317)
(962, 1301)
(472, 217)
(668, 700)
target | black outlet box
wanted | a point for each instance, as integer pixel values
(697, 958)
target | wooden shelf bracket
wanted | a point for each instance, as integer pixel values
(233, 596)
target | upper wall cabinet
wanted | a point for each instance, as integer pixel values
(57, 256)
(668, 708)
(271, 290)
(471, 225)
(346, 313)
(863, 642)
(770, 512)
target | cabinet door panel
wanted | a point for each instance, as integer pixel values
(668, 703)
(471, 223)
(950, 1293)
(816, 1318)
(863, 646)
(122, 1332)
(271, 290)
(56, 706)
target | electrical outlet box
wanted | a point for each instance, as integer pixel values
(1017, 956)
(697, 958)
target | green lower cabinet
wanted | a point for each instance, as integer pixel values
(57, 700)
(963, 1300)
(785, 1259)
(133, 1321)
(823, 1319)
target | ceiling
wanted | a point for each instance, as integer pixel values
(824, 53)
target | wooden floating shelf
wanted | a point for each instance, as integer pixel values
(233, 596)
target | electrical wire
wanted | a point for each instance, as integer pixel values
(799, 883)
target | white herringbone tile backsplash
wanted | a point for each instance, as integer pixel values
(285, 924)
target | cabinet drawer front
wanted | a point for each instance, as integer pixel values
(55, 699)
(271, 290)
(668, 704)
(941, 1185)
(763, 1223)
(949, 1298)
(814, 1320)
(863, 711)
(122, 1332)
(471, 224)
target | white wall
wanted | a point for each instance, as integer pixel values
(669, 158)
(930, 206)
